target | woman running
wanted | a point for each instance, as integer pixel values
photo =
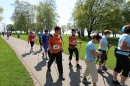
(73, 48)
(122, 57)
(103, 47)
(55, 46)
(31, 39)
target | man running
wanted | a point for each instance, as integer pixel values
(44, 41)
(90, 57)
(31, 39)
(40, 41)
(55, 46)
(103, 47)
(73, 48)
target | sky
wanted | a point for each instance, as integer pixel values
(64, 10)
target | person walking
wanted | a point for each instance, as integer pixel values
(73, 48)
(8, 34)
(55, 46)
(31, 40)
(122, 57)
(40, 39)
(103, 47)
(90, 57)
(44, 41)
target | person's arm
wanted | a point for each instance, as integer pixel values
(49, 44)
(124, 43)
(95, 53)
(28, 39)
(70, 41)
(124, 46)
(103, 44)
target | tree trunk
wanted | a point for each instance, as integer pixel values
(102, 32)
(115, 34)
(79, 34)
(82, 33)
(89, 34)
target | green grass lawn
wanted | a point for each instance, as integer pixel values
(12, 71)
(111, 58)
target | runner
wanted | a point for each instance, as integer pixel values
(103, 47)
(55, 46)
(44, 41)
(122, 57)
(49, 54)
(73, 48)
(8, 34)
(31, 39)
(3, 34)
(40, 41)
(91, 53)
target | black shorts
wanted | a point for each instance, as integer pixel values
(122, 63)
(31, 43)
(40, 42)
(103, 56)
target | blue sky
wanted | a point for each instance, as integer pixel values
(64, 9)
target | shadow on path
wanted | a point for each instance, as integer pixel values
(108, 79)
(41, 64)
(49, 81)
(25, 54)
(74, 77)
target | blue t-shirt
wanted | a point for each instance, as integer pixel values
(60, 37)
(45, 39)
(40, 35)
(104, 40)
(126, 38)
(90, 46)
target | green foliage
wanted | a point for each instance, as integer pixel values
(98, 15)
(1, 11)
(13, 72)
(28, 17)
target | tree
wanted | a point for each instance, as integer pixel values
(10, 27)
(1, 11)
(97, 15)
(63, 28)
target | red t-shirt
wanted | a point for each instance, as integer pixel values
(8, 33)
(31, 37)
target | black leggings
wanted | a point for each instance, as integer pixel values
(122, 63)
(75, 50)
(49, 54)
(31, 43)
(58, 57)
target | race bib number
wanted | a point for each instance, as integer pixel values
(55, 47)
(32, 39)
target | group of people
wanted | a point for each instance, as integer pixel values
(8, 34)
(52, 44)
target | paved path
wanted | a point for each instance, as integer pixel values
(36, 65)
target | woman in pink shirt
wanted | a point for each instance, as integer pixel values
(31, 39)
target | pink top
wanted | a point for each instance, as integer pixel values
(31, 37)
(8, 33)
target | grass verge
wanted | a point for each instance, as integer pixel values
(12, 71)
